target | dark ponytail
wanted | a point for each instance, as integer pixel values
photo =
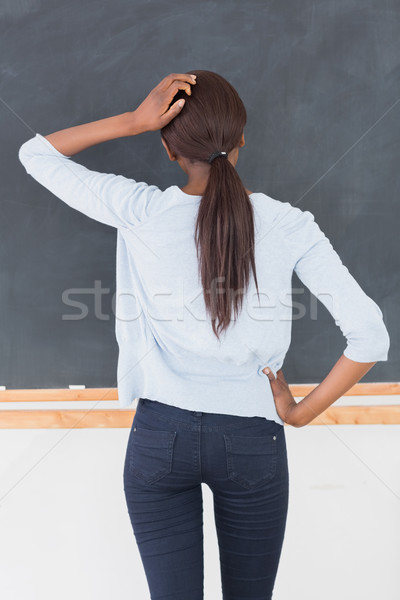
(213, 119)
(224, 237)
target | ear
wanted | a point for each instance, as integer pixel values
(170, 155)
(242, 142)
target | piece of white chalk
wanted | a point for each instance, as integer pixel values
(2, 387)
(77, 387)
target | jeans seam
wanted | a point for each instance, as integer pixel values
(189, 426)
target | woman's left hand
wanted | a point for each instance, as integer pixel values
(153, 113)
(284, 400)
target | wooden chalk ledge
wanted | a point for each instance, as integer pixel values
(21, 418)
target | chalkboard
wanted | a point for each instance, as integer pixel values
(320, 84)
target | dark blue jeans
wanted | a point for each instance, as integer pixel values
(243, 460)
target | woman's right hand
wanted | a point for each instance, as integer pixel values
(284, 401)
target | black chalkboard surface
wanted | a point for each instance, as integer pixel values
(320, 81)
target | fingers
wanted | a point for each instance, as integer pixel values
(167, 97)
(271, 376)
(168, 87)
(269, 373)
(180, 76)
(174, 78)
(280, 375)
(172, 112)
(176, 86)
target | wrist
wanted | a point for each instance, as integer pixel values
(303, 413)
(130, 124)
(294, 415)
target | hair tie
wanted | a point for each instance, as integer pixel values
(216, 154)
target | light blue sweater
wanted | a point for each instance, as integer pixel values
(167, 350)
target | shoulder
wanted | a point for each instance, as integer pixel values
(285, 216)
(293, 228)
(153, 202)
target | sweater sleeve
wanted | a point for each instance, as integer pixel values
(111, 199)
(320, 268)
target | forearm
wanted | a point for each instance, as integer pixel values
(72, 140)
(344, 374)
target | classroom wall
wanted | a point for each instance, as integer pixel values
(65, 531)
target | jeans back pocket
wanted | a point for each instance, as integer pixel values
(150, 453)
(251, 460)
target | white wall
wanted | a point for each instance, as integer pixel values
(65, 531)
